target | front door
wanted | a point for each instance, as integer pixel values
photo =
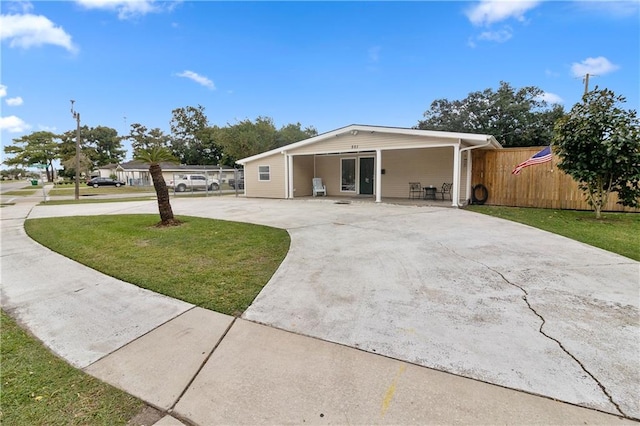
(366, 176)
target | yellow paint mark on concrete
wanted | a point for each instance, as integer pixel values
(391, 390)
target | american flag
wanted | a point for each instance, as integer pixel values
(543, 156)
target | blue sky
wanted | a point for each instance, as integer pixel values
(323, 64)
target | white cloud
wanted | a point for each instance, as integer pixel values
(197, 78)
(614, 9)
(3, 90)
(13, 124)
(33, 30)
(19, 6)
(129, 8)
(498, 36)
(551, 98)
(593, 66)
(488, 12)
(47, 128)
(17, 101)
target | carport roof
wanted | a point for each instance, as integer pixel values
(471, 139)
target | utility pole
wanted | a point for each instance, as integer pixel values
(586, 82)
(76, 116)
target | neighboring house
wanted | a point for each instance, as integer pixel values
(136, 173)
(367, 160)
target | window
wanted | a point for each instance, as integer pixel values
(348, 175)
(264, 173)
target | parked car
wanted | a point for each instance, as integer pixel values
(103, 181)
(239, 183)
(193, 182)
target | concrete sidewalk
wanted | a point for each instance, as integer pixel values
(201, 367)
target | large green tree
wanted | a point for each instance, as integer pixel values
(152, 147)
(101, 145)
(598, 144)
(105, 146)
(35, 148)
(192, 141)
(294, 133)
(515, 117)
(251, 137)
(247, 138)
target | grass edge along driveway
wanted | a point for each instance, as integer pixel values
(616, 232)
(215, 264)
(39, 388)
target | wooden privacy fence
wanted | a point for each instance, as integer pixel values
(541, 185)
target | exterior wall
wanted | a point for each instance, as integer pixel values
(364, 141)
(405, 158)
(275, 187)
(429, 166)
(328, 168)
(302, 176)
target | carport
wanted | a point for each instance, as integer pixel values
(362, 160)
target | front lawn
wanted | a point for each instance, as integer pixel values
(214, 264)
(61, 190)
(38, 388)
(615, 232)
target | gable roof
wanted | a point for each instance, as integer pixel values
(470, 139)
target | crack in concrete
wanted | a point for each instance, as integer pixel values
(541, 331)
(565, 350)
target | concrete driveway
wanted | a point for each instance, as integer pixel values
(448, 289)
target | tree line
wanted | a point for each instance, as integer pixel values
(598, 142)
(191, 141)
(515, 117)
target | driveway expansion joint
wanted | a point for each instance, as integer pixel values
(565, 350)
(204, 362)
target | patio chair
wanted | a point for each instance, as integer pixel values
(415, 190)
(319, 187)
(446, 189)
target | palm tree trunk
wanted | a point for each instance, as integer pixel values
(162, 193)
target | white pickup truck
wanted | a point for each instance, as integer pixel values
(184, 183)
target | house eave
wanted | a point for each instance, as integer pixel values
(470, 139)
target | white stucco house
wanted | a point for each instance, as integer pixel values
(363, 160)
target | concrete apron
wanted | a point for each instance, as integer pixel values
(449, 289)
(207, 368)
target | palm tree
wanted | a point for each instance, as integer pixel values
(151, 148)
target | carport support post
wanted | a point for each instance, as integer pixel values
(378, 176)
(288, 167)
(456, 175)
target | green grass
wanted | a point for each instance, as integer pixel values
(102, 190)
(39, 388)
(616, 232)
(96, 200)
(214, 264)
(21, 192)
